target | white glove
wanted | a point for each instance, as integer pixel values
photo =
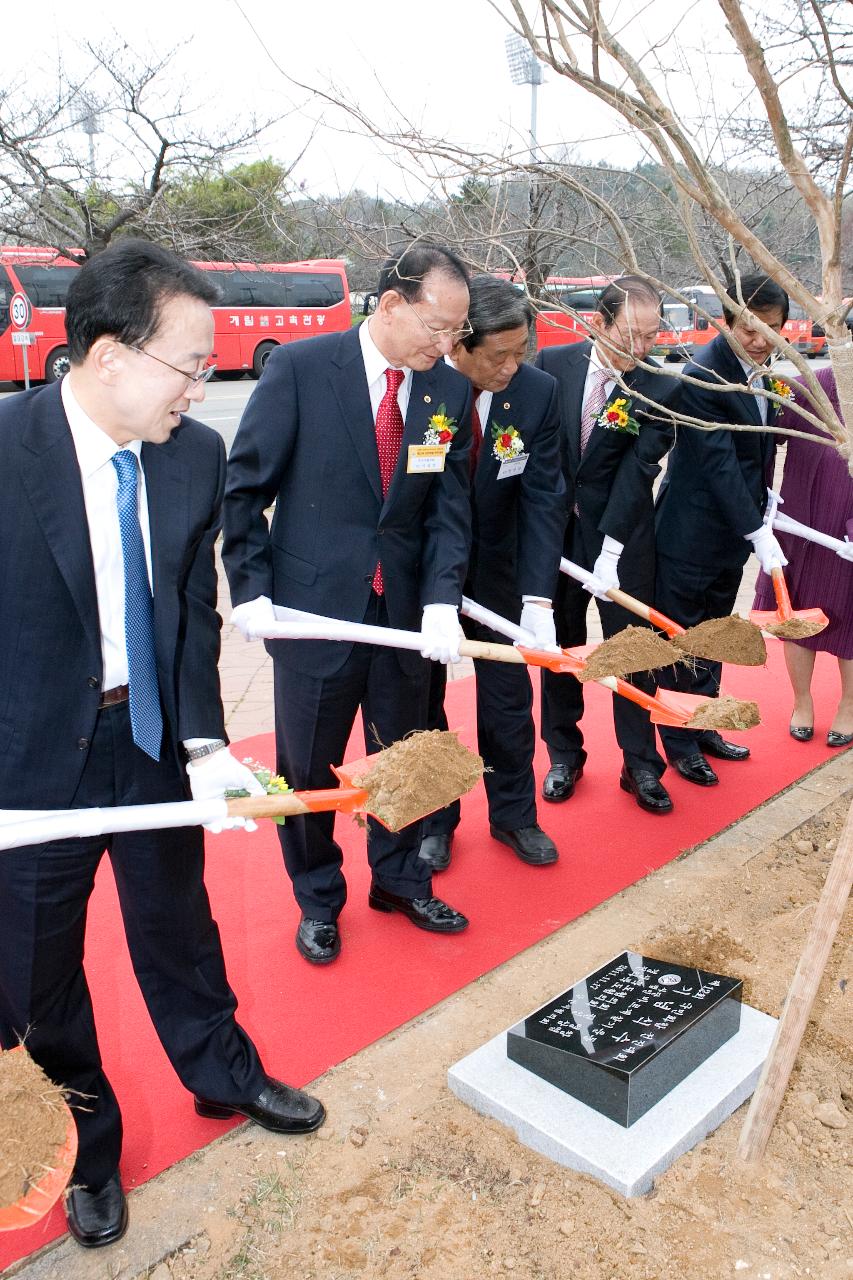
(766, 546)
(253, 617)
(215, 774)
(441, 633)
(539, 618)
(606, 567)
(846, 552)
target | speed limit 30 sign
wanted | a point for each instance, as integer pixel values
(20, 311)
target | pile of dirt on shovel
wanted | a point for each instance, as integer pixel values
(33, 1124)
(417, 776)
(730, 639)
(795, 629)
(725, 713)
(634, 649)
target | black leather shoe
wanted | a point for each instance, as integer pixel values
(560, 781)
(426, 913)
(277, 1107)
(530, 844)
(713, 745)
(696, 769)
(435, 851)
(318, 940)
(96, 1218)
(836, 739)
(646, 788)
(801, 732)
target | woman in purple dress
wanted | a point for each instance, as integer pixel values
(818, 491)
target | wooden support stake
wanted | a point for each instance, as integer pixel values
(771, 1087)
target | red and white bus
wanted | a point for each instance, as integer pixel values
(262, 305)
(581, 293)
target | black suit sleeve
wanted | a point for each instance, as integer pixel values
(258, 459)
(630, 493)
(447, 521)
(200, 713)
(542, 509)
(713, 456)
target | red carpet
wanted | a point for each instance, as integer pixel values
(306, 1019)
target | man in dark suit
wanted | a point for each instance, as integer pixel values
(372, 524)
(712, 501)
(108, 491)
(609, 475)
(518, 513)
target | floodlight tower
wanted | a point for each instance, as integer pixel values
(89, 120)
(525, 68)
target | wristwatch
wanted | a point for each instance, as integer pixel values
(198, 753)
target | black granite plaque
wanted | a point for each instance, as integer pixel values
(624, 1036)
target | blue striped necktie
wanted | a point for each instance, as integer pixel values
(146, 718)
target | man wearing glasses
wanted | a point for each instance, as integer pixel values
(609, 476)
(109, 695)
(362, 440)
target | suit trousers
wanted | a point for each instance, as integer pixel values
(689, 593)
(563, 697)
(506, 739)
(314, 716)
(172, 938)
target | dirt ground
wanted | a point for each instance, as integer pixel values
(406, 1181)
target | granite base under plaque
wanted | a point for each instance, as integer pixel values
(623, 1037)
(576, 1136)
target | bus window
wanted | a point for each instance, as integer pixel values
(314, 289)
(46, 286)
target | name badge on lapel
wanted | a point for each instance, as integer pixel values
(424, 458)
(514, 467)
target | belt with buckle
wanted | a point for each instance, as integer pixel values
(111, 697)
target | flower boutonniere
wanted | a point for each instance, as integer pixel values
(781, 389)
(616, 416)
(441, 429)
(506, 443)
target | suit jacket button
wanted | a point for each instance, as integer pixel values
(93, 682)
(82, 743)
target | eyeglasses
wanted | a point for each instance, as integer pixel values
(193, 379)
(437, 334)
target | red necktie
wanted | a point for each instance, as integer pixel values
(389, 437)
(476, 430)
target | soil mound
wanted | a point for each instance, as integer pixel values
(33, 1124)
(725, 713)
(795, 628)
(724, 640)
(634, 649)
(418, 775)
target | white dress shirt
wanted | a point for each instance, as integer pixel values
(375, 365)
(95, 450)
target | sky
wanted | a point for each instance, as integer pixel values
(443, 65)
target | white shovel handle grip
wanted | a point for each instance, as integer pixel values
(17, 830)
(788, 525)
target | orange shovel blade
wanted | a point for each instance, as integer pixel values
(675, 709)
(565, 661)
(772, 617)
